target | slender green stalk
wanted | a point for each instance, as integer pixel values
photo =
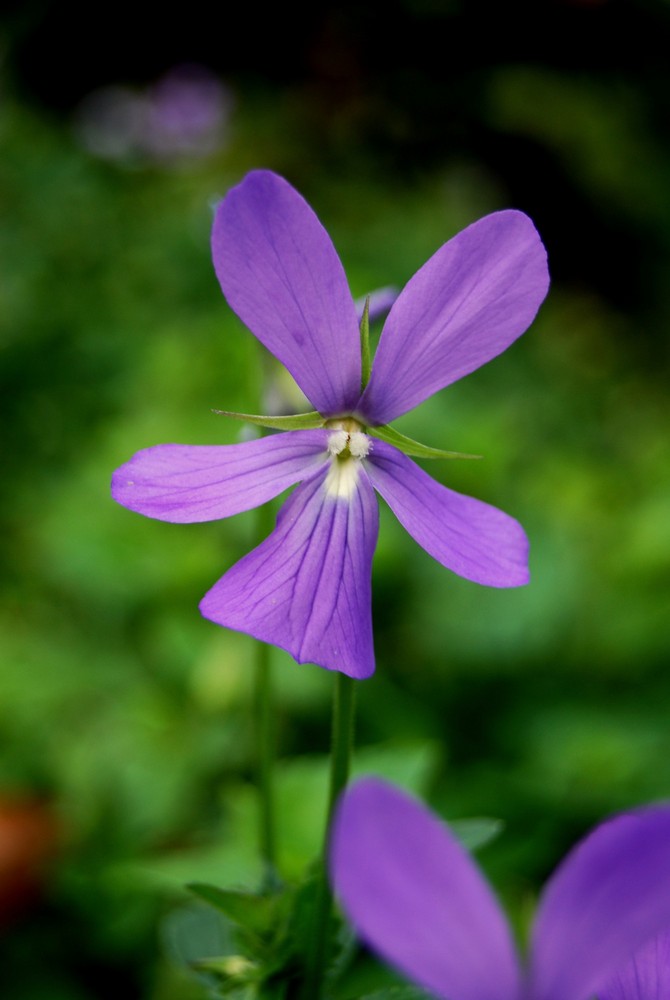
(341, 750)
(265, 761)
(342, 737)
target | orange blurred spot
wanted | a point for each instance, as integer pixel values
(28, 840)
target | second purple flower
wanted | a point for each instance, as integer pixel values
(306, 588)
(418, 899)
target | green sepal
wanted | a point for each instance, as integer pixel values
(294, 422)
(366, 360)
(254, 913)
(411, 447)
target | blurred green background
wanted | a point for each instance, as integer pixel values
(127, 751)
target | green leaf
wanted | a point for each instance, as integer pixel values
(411, 447)
(366, 361)
(298, 933)
(294, 422)
(476, 832)
(253, 912)
(369, 978)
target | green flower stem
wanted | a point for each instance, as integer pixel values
(341, 750)
(342, 737)
(265, 745)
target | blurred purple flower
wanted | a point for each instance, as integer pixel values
(306, 588)
(416, 897)
(183, 115)
(187, 112)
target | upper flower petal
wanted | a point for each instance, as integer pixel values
(470, 537)
(281, 274)
(608, 898)
(647, 975)
(416, 897)
(475, 296)
(306, 588)
(184, 483)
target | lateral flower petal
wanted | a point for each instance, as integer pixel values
(281, 274)
(469, 537)
(186, 483)
(416, 897)
(647, 975)
(604, 903)
(306, 588)
(469, 302)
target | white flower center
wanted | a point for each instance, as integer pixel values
(347, 446)
(337, 442)
(359, 444)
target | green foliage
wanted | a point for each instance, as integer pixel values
(257, 914)
(267, 941)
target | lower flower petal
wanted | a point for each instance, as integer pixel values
(647, 975)
(416, 897)
(306, 588)
(186, 483)
(608, 899)
(475, 540)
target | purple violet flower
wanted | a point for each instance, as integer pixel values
(306, 588)
(416, 897)
(646, 976)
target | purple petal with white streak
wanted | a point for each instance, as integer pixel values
(469, 537)
(379, 303)
(466, 305)
(609, 897)
(306, 588)
(186, 483)
(416, 897)
(280, 272)
(647, 975)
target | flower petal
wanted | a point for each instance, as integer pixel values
(470, 537)
(185, 483)
(466, 305)
(306, 588)
(416, 897)
(280, 272)
(608, 898)
(379, 303)
(647, 975)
